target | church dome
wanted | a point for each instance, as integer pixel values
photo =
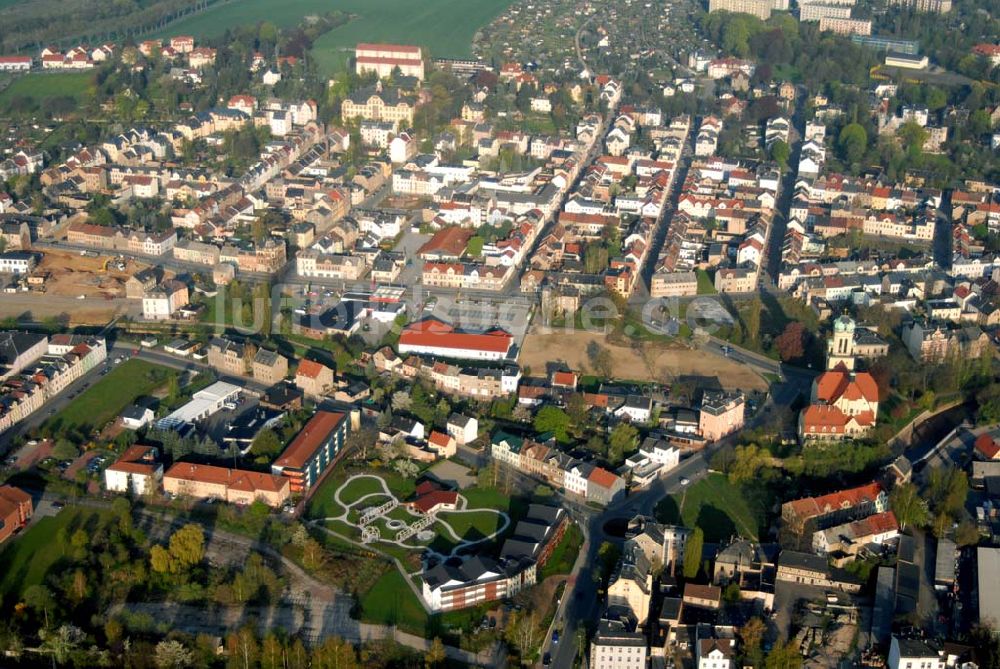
(843, 324)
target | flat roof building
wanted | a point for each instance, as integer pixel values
(203, 404)
(988, 562)
(312, 450)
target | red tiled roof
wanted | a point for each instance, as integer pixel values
(238, 479)
(810, 507)
(602, 477)
(564, 379)
(987, 446)
(426, 503)
(452, 241)
(309, 439)
(310, 368)
(831, 386)
(437, 334)
(439, 439)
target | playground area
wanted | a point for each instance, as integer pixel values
(371, 513)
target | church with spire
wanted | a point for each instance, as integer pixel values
(844, 401)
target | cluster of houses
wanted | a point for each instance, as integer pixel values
(723, 221)
(180, 48)
(34, 368)
(616, 207)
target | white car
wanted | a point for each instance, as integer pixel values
(685, 480)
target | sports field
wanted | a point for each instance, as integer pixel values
(444, 27)
(44, 85)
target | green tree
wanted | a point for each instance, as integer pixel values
(747, 463)
(242, 649)
(784, 656)
(335, 653)
(185, 549)
(435, 655)
(909, 508)
(266, 444)
(692, 553)
(172, 654)
(752, 636)
(967, 534)
(780, 152)
(555, 420)
(853, 142)
(622, 440)
(948, 488)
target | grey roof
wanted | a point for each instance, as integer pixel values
(541, 513)
(797, 560)
(13, 344)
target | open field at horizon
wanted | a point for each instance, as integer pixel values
(444, 27)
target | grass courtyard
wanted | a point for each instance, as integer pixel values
(109, 396)
(715, 505)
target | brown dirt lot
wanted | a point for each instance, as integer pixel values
(71, 274)
(667, 361)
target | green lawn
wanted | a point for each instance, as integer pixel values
(109, 396)
(487, 498)
(359, 488)
(472, 526)
(29, 558)
(564, 555)
(323, 505)
(705, 284)
(392, 602)
(41, 86)
(716, 506)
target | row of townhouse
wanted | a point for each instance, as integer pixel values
(590, 482)
(266, 257)
(113, 238)
(44, 368)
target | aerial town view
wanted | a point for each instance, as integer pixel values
(601, 334)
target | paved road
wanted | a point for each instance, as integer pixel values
(62, 400)
(581, 603)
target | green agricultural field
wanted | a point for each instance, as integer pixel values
(41, 86)
(29, 558)
(715, 505)
(214, 21)
(445, 27)
(109, 396)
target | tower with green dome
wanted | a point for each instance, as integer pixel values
(840, 350)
